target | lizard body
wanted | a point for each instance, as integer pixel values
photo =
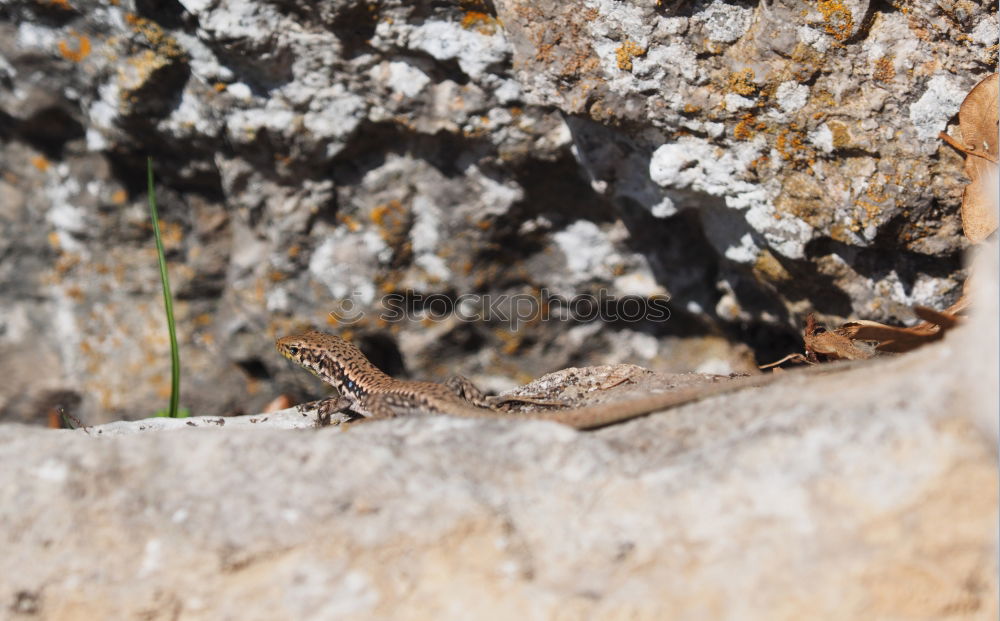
(365, 389)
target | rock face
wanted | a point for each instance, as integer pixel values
(869, 494)
(751, 162)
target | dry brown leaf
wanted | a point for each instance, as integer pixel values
(897, 339)
(978, 117)
(962, 304)
(943, 319)
(977, 121)
(823, 344)
(860, 340)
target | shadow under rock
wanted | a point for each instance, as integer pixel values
(885, 256)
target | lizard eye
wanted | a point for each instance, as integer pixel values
(292, 349)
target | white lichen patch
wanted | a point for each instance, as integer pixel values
(508, 91)
(240, 91)
(819, 41)
(473, 51)
(696, 164)
(203, 61)
(791, 96)
(986, 32)
(346, 264)
(940, 102)
(243, 126)
(277, 300)
(724, 23)
(640, 282)
(784, 233)
(403, 78)
(497, 197)
(425, 236)
(588, 251)
(615, 16)
(744, 252)
(893, 41)
(736, 102)
(191, 118)
(675, 59)
(821, 138)
(70, 220)
(333, 115)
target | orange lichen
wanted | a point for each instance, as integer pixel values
(118, 197)
(483, 23)
(824, 98)
(352, 225)
(841, 135)
(393, 222)
(758, 164)
(77, 52)
(40, 163)
(155, 35)
(747, 127)
(276, 276)
(837, 18)
(171, 234)
(742, 82)
(791, 146)
(626, 52)
(885, 70)
(381, 212)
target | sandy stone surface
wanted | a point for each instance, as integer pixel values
(866, 494)
(752, 162)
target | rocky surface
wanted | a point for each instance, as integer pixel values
(751, 161)
(870, 494)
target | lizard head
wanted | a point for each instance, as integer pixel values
(310, 348)
(333, 360)
(328, 357)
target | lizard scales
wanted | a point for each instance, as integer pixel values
(365, 389)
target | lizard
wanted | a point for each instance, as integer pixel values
(366, 390)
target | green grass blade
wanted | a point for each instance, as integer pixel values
(175, 357)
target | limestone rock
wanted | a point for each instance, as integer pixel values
(750, 162)
(871, 494)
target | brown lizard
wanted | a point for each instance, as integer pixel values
(366, 390)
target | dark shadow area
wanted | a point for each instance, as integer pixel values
(886, 256)
(383, 352)
(807, 283)
(49, 130)
(129, 168)
(354, 26)
(169, 14)
(374, 142)
(48, 14)
(352, 22)
(254, 369)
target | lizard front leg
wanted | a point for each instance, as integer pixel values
(326, 408)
